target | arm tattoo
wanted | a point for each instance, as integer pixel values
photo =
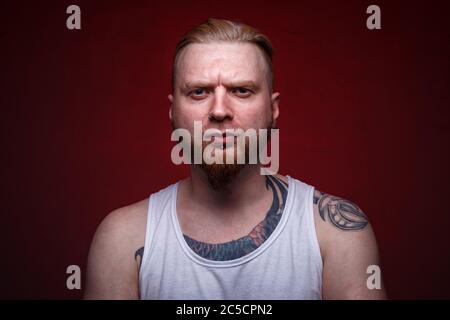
(343, 214)
(138, 256)
(237, 248)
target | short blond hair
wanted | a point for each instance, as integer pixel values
(224, 30)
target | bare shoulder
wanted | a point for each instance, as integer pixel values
(127, 221)
(339, 222)
(341, 213)
(124, 227)
(348, 247)
(115, 253)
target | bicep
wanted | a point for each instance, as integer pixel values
(349, 250)
(348, 266)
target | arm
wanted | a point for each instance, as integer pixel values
(115, 253)
(348, 248)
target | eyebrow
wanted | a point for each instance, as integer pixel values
(231, 84)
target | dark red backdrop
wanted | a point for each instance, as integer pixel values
(84, 125)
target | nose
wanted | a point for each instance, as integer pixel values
(220, 110)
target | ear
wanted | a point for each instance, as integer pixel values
(275, 99)
(170, 97)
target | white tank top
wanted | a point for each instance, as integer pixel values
(288, 265)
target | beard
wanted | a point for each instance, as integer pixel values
(221, 175)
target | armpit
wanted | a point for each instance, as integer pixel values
(138, 255)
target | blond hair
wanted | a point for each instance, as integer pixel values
(224, 30)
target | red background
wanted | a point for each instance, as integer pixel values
(84, 124)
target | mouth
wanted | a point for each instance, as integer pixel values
(220, 135)
(223, 141)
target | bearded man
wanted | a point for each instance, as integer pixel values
(228, 231)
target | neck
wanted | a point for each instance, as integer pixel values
(244, 189)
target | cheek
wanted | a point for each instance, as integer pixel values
(257, 116)
(184, 117)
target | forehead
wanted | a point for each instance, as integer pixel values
(224, 61)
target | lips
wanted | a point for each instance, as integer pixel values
(217, 133)
(220, 139)
(224, 139)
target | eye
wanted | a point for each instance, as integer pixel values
(242, 92)
(198, 93)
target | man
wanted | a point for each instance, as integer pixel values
(228, 232)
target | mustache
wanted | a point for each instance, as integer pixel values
(213, 132)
